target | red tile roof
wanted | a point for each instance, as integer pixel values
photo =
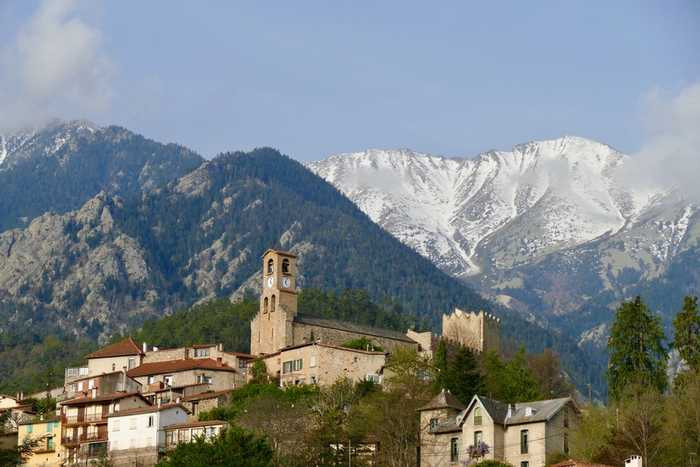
(103, 398)
(172, 366)
(148, 409)
(118, 349)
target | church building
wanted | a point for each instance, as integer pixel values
(299, 349)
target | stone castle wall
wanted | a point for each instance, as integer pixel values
(305, 333)
(478, 331)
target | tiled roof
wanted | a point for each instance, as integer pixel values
(118, 349)
(172, 366)
(442, 401)
(103, 398)
(196, 424)
(148, 409)
(352, 327)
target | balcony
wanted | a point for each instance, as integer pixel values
(73, 419)
(94, 417)
(74, 373)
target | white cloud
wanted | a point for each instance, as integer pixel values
(670, 156)
(55, 67)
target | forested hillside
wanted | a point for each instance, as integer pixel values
(118, 261)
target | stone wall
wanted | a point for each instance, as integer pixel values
(220, 379)
(305, 333)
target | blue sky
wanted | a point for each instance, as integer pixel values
(314, 78)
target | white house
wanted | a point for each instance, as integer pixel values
(139, 435)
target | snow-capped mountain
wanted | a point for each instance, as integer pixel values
(547, 224)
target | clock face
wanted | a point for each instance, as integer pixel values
(270, 281)
(286, 282)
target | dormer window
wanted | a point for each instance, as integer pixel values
(285, 266)
(270, 266)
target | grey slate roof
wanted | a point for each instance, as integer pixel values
(352, 327)
(443, 400)
(499, 411)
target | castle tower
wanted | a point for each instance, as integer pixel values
(479, 331)
(271, 329)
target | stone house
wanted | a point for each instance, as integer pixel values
(317, 363)
(215, 374)
(205, 401)
(84, 423)
(106, 383)
(46, 430)
(237, 360)
(137, 435)
(524, 434)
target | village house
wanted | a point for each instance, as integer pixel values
(46, 432)
(137, 435)
(524, 434)
(204, 401)
(176, 374)
(101, 384)
(84, 423)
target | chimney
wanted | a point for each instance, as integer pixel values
(145, 347)
(220, 347)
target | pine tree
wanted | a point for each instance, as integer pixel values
(637, 353)
(686, 327)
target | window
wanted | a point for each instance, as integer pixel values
(433, 424)
(115, 424)
(478, 438)
(454, 450)
(266, 305)
(270, 266)
(132, 423)
(566, 443)
(292, 365)
(91, 384)
(201, 352)
(272, 304)
(80, 386)
(242, 364)
(151, 379)
(204, 379)
(49, 444)
(477, 416)
(168, 380)
(523, 441)
(150, 420)
(169, 438)
(132, 362)
(285, 266)
(524, 464)
(297, 365)
(287, 367)
(372, 377)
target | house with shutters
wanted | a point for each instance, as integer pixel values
(524, 434)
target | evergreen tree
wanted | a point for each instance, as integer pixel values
(511, 381)
(637, 353)
(687, 333)
(457, 370)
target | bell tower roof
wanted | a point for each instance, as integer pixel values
(279, 252)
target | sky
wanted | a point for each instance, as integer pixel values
(316, 78)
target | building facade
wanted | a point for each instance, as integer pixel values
(46, 431)
(524, 434)
(137, 436)
(188, 432)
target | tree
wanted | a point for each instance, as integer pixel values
(637, 353)
(592, 438)
(640, 422)
(686, 327)
(546, 368)
(258, 372)
(682, 427)
(458, 370)
(234, 446)
(511, 381)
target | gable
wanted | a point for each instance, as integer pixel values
(475, 410)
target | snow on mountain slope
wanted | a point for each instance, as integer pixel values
(540, 197)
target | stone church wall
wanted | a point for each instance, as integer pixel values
(303, 334)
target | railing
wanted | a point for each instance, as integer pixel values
(74, 419)
(93, 417)
(84, 438)
(71, 373)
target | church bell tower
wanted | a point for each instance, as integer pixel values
(271, 329)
